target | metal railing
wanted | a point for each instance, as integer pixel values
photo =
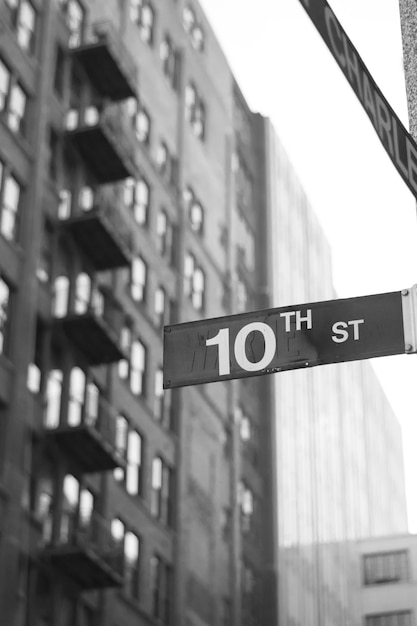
(105, 31)
(108, 206)
(89, 532)
(104, 422)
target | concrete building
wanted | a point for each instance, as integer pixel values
(387, 574)
(339, 446)
(130, 198)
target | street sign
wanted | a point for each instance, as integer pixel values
(398, 143)
(265, 342)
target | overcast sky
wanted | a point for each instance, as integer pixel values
(287, 73)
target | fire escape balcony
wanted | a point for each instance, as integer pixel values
(105, 141)
(107, 63)
(102, 232)
(85, 551)
(91, 442)
(95, 327)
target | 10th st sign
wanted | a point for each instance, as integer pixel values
(264, 342)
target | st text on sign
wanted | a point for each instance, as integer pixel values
(398, 143)
(264, 342)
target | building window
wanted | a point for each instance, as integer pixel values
(249, 437)
(70, 500)
(4, 85)
(138, 277)
(195, 111)
(131, 555)
(36, 366)
(164, 232)
(193, 28)
(133, 368)
(137, 367)
(64, 204)
(244, 194)
(195, 211)
(76, 396)
(246, 501)
(10, 201)
(162, 157)
(134, 463)
(122, 426)
(162, 306)
(17, 108)
(386, 567)
(131, 563)
(194, 282)
(143, 126)
(129, 444)
(24, 20)
(121, 432)
(136, 196)
(169, 58)
(161, 589)
(401, 618)
(4, 316)
(82, 293)
(86, 198)
(13, 101)
(241, 296)
(246, 245)
(162, 491)
(26, 24)
(166, 163)
(74, 17)
(140, 119)
(142, 13)
(162, 400)
(60, 296)
(244, 427)
(159, 395)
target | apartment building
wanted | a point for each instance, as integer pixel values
(130, 197)
(387, 578)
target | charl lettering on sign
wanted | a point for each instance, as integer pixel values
(396, 140)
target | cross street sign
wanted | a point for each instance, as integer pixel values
(264, 342)
(398, 143)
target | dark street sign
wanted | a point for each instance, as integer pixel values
(264, 342)
(398, 143)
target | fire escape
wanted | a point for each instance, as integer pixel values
(87, 314)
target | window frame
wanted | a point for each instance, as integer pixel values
(195, 111)
(6, 314)
(12, 212)
(127, 369)
(26, 42)
(131, 583)
(161, 584)
(138, 279)
(386, 567)
(139, 11)
(193, 272)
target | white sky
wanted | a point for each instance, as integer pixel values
(287, 73)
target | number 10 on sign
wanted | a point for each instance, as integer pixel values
(222, 340)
